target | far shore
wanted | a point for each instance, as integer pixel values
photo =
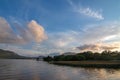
(94, 64)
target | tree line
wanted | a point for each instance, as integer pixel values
(88, 55)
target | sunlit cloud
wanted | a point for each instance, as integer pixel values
(101, 32)
(98, 47)
(37, 31)
(33, 32)
(89, 37)
(7, 35)
(94, 37)
(110, 37)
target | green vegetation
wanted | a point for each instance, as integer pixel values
(105, 59)
(105, 55)
(48, 58)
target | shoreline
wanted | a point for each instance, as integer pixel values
(91, 64)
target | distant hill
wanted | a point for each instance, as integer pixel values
(69, 53)
(54, 54)
(5, 54)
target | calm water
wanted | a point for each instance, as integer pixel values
(39, 70)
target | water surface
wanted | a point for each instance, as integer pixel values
(11, 69)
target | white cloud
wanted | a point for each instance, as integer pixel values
(37, 31)
(91, 13)
(101, 32)
(87, 11)
(7, 35)
(98, 47)
(33, 32)
(87, 35)
(107, 34)
(90, 35)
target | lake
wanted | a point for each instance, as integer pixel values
(12, 69)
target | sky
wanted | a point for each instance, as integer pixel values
(42, 27)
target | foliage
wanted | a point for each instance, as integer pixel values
(105, 55)
(48, 58)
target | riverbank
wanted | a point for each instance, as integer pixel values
(95, 64)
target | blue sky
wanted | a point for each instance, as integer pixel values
(40, 27)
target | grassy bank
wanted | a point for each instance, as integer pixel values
(96, 64)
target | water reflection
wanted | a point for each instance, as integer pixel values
(38, 70)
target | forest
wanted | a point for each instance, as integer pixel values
(88, 55)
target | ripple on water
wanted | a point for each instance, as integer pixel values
(39, 70)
